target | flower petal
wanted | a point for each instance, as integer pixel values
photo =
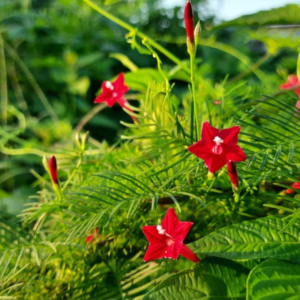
(89, 238)
(122, 102)
(119, 84)
(235, 154)
(297, 91)
(292, 80)
(215, 162)
(182, 230)
(201, 149)
(173, 250)
(155, 251)
(209, 133)
(170, 222)
(295, 185)
(189, 254)
(230, 135)
(105, 96)
(152, 234)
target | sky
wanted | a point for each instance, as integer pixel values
(231, 9)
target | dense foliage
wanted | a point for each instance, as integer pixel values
(82, 238)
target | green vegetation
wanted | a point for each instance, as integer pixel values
(117, 175)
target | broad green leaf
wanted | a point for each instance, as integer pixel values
(140, 79)
(274, 280)
(253, 239)
(212, 278)
(125, 61)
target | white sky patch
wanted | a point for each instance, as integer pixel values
(231, 9)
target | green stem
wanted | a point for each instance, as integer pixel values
(236, 196)
(194, 102)
(74, 172)
(219, 46)
(251, 69)
(32, 80)
(138, 33)
(298, 65)
(3, 83)
(211, 185)
(192, 121)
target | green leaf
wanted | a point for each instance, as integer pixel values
(291, 152)
(274, 280)
(250, 162)
(253, 239)
(264, 159)
(140, 79)
(125, 61)
(277, 154)
(212, 278)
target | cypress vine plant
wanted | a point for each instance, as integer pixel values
(210, 180)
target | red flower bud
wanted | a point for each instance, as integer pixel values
(53, 169)
(233, 175)
(189, 21)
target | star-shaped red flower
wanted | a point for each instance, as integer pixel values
(113, 92)
(292, 81)
(166, 240)
(218, 147)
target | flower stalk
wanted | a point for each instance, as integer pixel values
(192, 36)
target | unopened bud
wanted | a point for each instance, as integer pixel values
(77, 140)
(45, 163)
(189, 26)
(83, 140)
(197, 33)
(233, 175)
(53, 169)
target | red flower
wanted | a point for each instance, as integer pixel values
(233, 175)
(295, 185)
(292, 81)
(189, 21)
(217, 147)
(166, 240)
(53, 169)
(92, 237)
(113, 92)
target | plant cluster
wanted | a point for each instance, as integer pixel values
(209, 177)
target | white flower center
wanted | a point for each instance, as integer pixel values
(109, 85)
(218, 140)
(160, 229)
